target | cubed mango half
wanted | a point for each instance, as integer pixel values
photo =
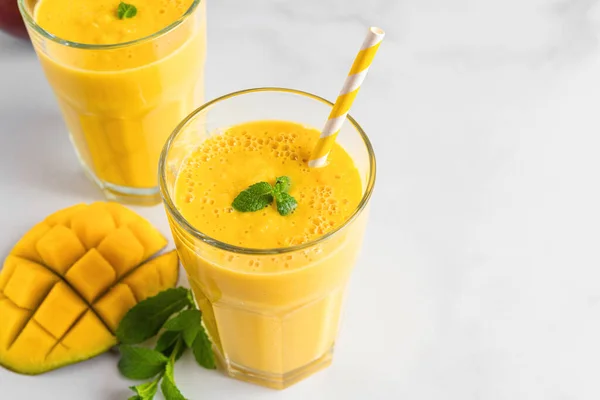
(67, 283)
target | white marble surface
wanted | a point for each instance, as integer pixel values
(480, 275)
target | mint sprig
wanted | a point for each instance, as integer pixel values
(188, 323)
(261, 194)
(174, 314)
(145, 391)
(166, 342)
(202, 349)
(255, 198)
(140, 362)
(145, 319)
(126, 10)
(286, 204)
(283, 184)
(168, 387)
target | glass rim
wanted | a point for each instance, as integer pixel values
(183, 222)
(30, 21)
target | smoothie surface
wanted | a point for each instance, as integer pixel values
(224, 165)
(97, 22)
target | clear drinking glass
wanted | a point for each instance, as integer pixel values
(272, 329)
(120, 101)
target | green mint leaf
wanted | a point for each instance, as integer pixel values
(166, 341)
(190, 296)
(283, 184)
(145, 319)
(136, 397)
(190, 334)
(126, 10)
(286, 204)
(170, 340)
(255, 198)
(202, 349)
(187, 322)
(168, 387)
(145, 391)
(140, 362)
(183, 320)
(261, 194)
(178, 350)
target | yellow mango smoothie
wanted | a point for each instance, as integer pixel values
(259, 152)
(272, 315)
(123, 80)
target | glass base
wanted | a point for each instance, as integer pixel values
(270, 380)
(123, 194)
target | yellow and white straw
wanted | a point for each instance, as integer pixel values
(344, 101)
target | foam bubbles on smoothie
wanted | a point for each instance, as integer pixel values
(319, 198)
(322, 200)
(227, 162)
(189, 198)
(281, 146)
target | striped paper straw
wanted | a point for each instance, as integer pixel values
(344, 101)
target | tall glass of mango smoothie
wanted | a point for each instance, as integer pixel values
(125, 74)
(270, 281)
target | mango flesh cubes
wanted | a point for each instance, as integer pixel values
(68, 282)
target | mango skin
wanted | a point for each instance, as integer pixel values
(67, 283)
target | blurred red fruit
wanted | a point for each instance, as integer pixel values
(10, 19)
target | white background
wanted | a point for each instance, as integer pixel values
(480, 274)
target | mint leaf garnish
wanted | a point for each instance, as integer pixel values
(168, 387)
(255, 198)
(188, 323)
(126, 10)
(145, 391)
(286, 204)
(283, 184)
(145, 319)
(183, 320)
(166, 342)
(190, 334)
(140, 362)
(261, 194)
(182, 331)
(203, 350)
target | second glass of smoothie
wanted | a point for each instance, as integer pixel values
(123, 84)
(270, 286)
